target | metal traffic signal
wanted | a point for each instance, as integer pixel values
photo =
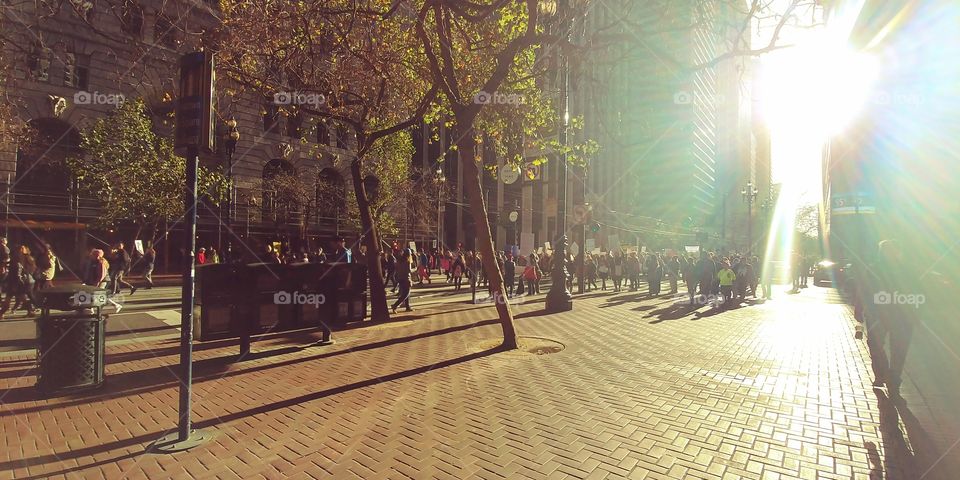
(196, 126)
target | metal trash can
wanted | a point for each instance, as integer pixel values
(70, 345)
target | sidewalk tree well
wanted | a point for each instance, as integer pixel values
(337, 65)
(133, 172)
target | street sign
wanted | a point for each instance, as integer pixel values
(531, 171)
(509, 174)
(575, 249)
(589, 244)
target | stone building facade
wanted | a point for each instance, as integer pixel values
(72, 65)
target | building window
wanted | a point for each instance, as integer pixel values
(323, 132)
(271, 118)
(131, 18)
(40, 64)
(341, 136)
(295, 124)
(165, 33)
(75, 71)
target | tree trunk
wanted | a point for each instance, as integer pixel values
(378, 292)
(471, 181)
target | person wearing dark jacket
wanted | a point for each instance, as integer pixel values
(404, 268)
(119, 266)
(891, 305)
(509, 273)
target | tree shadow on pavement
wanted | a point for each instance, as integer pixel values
(98, 450)
(141, 381)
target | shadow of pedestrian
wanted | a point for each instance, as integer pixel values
(673, 312)
(898, 459)
(927, 457)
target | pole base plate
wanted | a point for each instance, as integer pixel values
(171, 444)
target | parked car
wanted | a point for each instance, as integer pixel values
(830, 272)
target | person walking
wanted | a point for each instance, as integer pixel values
(654, 274)
(149, 262)
(389, 270)
(690, 277)
(119, 267)
(531, 274)
(673, 270)
(46, 267)
(603, 269)
(726, 276)
(616, 270)
(457, 271)
(706, 272)
(509, 273)
(404, 270)
(891, 306)
(4, 262)
(631, 271)
(590, 263)
(20, 282)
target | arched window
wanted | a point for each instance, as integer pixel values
(331, 195)
(42, 175)
(276, 174)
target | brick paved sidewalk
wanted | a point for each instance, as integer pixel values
(776, 390)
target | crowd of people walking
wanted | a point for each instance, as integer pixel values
(712, 277)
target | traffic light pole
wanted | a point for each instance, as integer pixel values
(196, 90)
(186, 295)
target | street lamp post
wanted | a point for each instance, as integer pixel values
(233, 136)
(750, 196)
(440, 181)
(559, 298)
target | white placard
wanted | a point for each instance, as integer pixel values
(413, 247)
(138, 246)
(589, 244)
(691, 248)
(575, 249)
(546, 246)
